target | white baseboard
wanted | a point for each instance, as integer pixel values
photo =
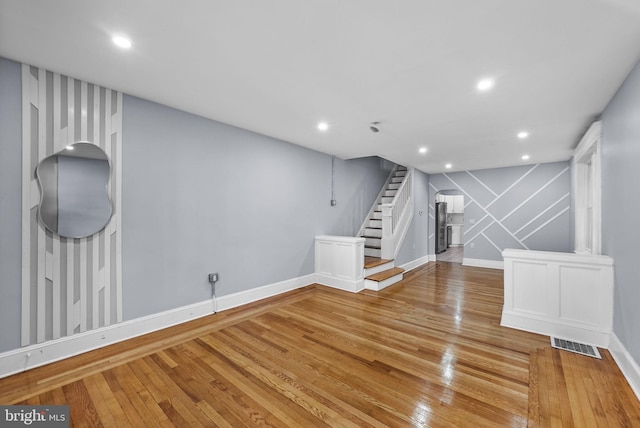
(243, 297)
(418, 262)
(354, 286)
(555, 327)
(491, 264)
(33, 356)
(628, 366)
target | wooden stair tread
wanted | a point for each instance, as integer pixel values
(385, 274)
(373, 247)
(371, 262)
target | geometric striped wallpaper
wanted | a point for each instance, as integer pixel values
(525, 207)
(68, 285)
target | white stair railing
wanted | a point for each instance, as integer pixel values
(374, 207)
(396, 217)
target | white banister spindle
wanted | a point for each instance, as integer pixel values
(396, 217)
(387, 220)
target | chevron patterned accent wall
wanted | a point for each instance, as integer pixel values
(68, 285)
(523, 207)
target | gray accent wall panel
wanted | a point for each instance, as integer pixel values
(62, 278)
(500, 182)
(465, 180)
(10, 204)
(524, 188)
(621, 205)
(525, 207)
(200, 196)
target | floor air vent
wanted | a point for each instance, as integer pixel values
(578, 348)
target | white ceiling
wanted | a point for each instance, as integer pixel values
(278, 67)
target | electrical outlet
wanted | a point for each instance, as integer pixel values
(333, 202)
(213, 278)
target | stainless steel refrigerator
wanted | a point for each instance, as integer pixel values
(441, 227)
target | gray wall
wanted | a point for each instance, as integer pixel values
(621, 205)
(516, 207)
(10, 204)
(200, 196)
(416, 243)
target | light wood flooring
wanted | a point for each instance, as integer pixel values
(452, 254)
(425, 352)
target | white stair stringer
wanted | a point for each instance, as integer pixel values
(391, 246)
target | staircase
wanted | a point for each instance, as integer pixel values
(366, 261)
(379, 272)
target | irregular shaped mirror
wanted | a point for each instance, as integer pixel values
(74, 200)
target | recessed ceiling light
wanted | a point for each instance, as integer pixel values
(423, 150)
(69, 147)
(523, 134)
(485, 84)
(525, 157)
(448, 166)
(323, 126)
(121, 42)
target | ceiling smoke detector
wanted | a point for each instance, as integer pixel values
(374, 127)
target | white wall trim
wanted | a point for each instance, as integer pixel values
(552, 327)
(33, 356)
(491, 264)
(29, 357)
(587, 185)
(354, 286)
(628, 366)
(248, 296)
(418, 262)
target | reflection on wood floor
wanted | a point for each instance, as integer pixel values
(452, 255)
(426, 352)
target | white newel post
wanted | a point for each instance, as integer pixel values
(340, 262)
(387, 232)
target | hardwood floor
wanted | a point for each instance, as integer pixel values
(427, 351)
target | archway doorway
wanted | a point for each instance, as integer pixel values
(449, 230)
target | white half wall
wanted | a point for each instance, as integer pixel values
(559, 294)
(340, 262)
